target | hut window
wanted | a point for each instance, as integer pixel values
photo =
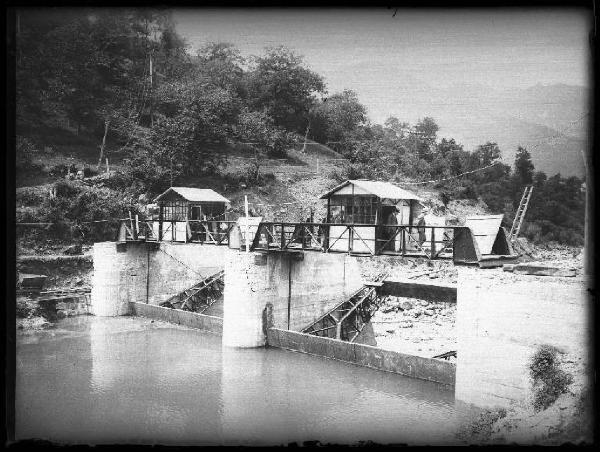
(175, 211)
(340, 209)
(357, 209)
(364, 210)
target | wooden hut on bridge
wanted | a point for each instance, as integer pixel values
(183, 211)
(378, 207)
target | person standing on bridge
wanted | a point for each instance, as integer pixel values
(421, 227)
(391, 222)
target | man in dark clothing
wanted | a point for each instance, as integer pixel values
(390, 229)
(421, 228)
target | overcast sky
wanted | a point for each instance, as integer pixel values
(372, 52)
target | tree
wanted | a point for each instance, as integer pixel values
(193, 127)
(284, 87)
(337, 116)
(256, 131)
(523, 168)
(222, 64)
(427, 128)
(93, 65)
(486, 154)
(447, 147)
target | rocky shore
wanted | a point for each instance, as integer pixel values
(415, 327)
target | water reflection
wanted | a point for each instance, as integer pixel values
(101, 380)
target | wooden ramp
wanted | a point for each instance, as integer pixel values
(200, 296)
(348, 319)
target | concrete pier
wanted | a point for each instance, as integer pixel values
(148, 272)
(501, 323)
(299, 287)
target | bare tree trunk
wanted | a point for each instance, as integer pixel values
(306, 136)
(151, 94)
(106, 124)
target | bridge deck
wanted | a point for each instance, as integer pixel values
(431, 242)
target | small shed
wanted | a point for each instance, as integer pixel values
(183, 206)
(374, 203)
(185, 203)
(370, 202)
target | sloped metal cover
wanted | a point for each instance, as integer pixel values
(465, 249)
(485, 229)
(195, 194)
(377, 188)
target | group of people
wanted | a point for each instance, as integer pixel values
(73, 173)
(392, 221)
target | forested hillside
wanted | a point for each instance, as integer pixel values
(121, 85)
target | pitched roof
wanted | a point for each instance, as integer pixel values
(379, 189)
(194, 194)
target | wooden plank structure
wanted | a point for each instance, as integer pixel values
(189, 214)
(363, 203)
(282, 236)
(363, 218)
(182, 214)
(347, 320)
(520, 215)
(200, 296)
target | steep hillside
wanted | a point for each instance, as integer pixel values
(550, 117)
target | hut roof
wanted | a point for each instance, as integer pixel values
(194, 194)
(379, 189)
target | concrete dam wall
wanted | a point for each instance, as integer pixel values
(296, 288)
(149, 272)
(500, 326)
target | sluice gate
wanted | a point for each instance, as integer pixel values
(348, 319)
(200, 296)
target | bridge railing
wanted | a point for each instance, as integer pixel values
(405, 240)
(197, 231)
(402, 240)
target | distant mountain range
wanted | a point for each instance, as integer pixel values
(551, 121)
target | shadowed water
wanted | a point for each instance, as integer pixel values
(130, 380)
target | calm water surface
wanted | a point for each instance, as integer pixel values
(130, 380)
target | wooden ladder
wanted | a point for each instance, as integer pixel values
(518, 221)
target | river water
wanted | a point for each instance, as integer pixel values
(97, 380)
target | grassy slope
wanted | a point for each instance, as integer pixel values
(290, 194)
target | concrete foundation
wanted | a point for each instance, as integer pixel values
(190, 319)
(365, 355)
(119, 277)
(416, 289)
(500, 324)
(149, 272)
(299, 287)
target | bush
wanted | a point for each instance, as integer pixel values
(66, 189)
(549, 380)
(58, 170)
(251, 175)
(29, 197)
(118, 180)
(479, 427)
(89, 172)
(27, 215)
(353, 171)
